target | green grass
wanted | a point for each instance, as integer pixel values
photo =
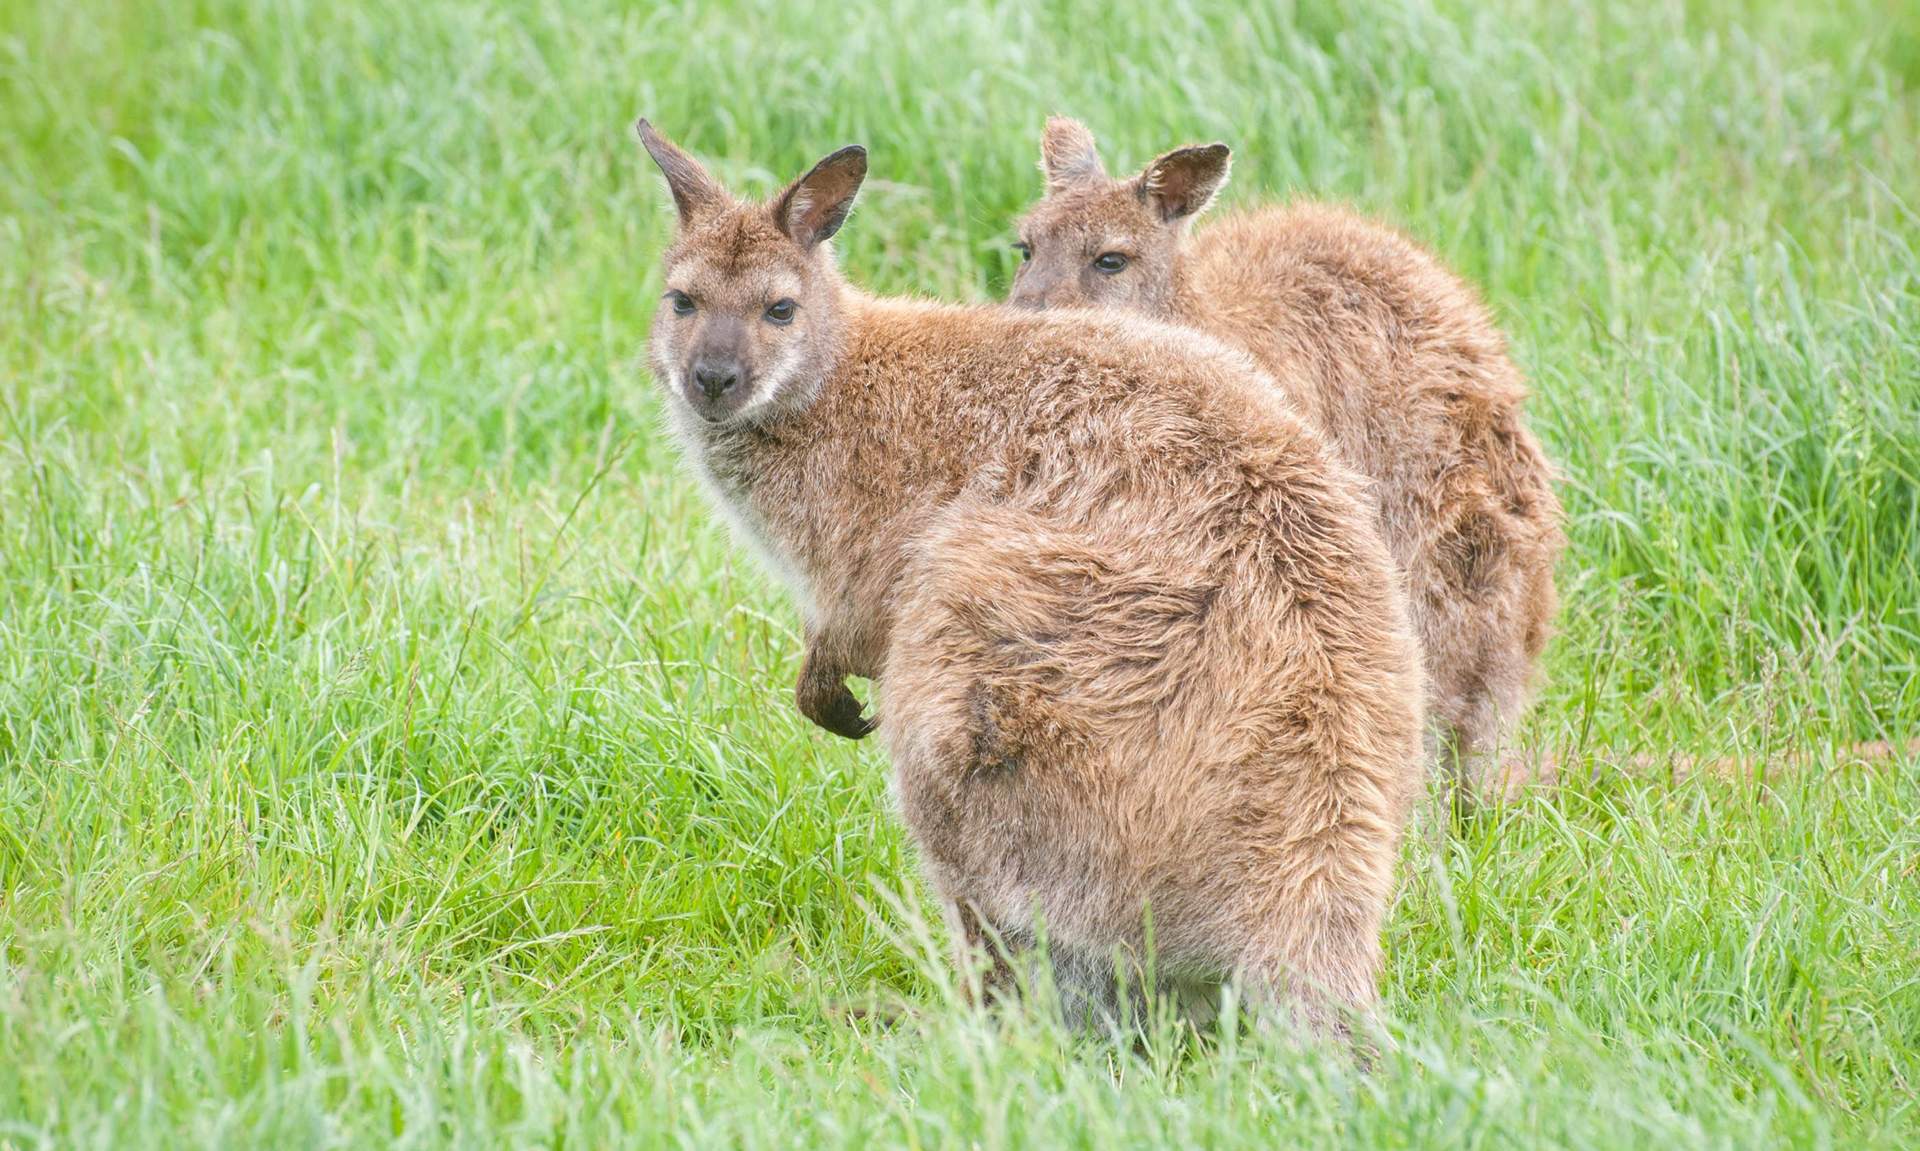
(393, 749)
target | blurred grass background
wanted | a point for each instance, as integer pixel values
(393, 749)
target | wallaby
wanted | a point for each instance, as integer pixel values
(1138, 650)
(1384, 351)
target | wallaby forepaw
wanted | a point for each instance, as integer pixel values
(839, 712)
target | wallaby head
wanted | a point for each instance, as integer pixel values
(750, 320)
(1094, 241)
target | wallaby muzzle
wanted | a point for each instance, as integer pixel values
(1033, 289)
(718, 378)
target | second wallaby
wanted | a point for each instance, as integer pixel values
(1140, 656)
(1383, 350)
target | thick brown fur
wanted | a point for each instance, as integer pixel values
(1138, 647)
(1384, 350)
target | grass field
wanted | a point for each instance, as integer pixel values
(394, 749)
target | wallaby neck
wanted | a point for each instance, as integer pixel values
(1184, 302)
(782, 479)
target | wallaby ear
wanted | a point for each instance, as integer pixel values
(1068, 155)
(694, 191)
(1183, 182)
(814, 206)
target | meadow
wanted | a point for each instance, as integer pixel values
(395, 751)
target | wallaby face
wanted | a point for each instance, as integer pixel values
(1094, 241)
(749, 321)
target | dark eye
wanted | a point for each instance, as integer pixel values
(1025, 249)
(781, 313)
(682, 303)
(1110, 262)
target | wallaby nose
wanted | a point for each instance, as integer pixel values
(716, 380)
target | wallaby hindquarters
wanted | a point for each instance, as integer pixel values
(1098, 732)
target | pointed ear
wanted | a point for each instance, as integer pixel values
(814, 206)
(1068, 155)
(694, 191)
(1183, 182)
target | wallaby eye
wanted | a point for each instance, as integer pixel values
(781, 313)
(1025, 249)
(682, 303)
(1110, 262)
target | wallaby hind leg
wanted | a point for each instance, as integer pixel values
(1459, 755)
(1477, 673)
(1099, 991)
(998, 965)
(1469, 743)
(984, 957)
(1321, 999)
(1311, 958)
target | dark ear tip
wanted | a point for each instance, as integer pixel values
(1213, 153)
(852, 159)
(853, 156)
(651, 139)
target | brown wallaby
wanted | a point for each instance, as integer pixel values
(1384, 351)
(1139, 651)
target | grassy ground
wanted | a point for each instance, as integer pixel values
(393, 749)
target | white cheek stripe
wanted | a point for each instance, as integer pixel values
(776, 379)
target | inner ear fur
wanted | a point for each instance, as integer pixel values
(813, 207)
(1184, 181)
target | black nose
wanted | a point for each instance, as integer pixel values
(716, 380)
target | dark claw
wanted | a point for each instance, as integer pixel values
(838, 712)
(843, 716)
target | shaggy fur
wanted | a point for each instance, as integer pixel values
(1382, 349)
(1138, 647)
